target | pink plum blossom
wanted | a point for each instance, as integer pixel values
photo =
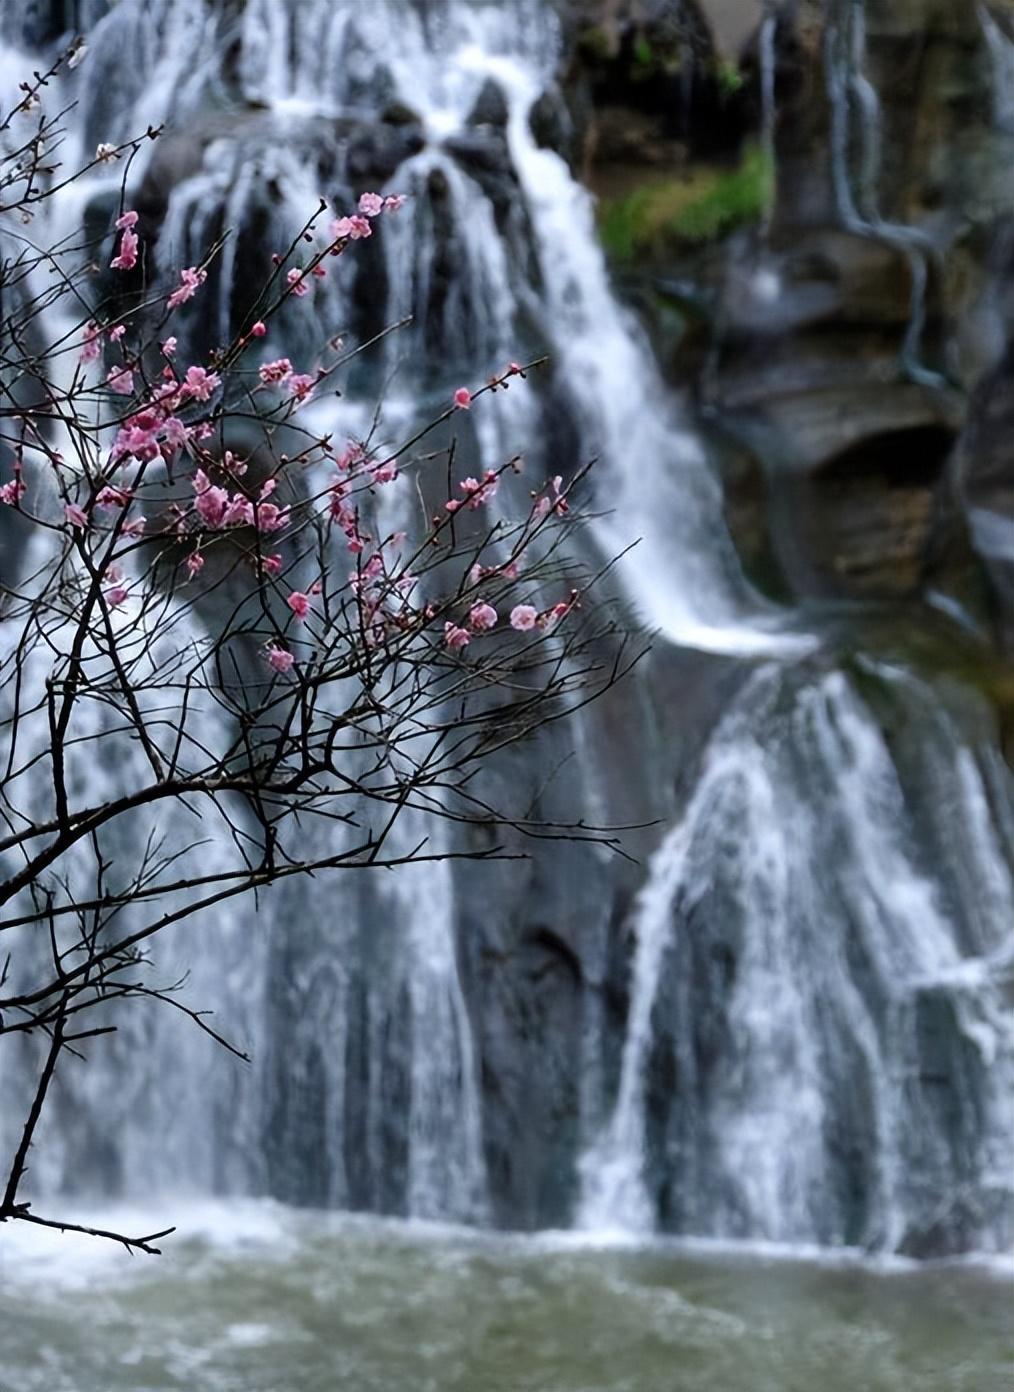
(462, 398)
(279, 659)
(238, 512)
(126, 221)
(482, 617)
(393, 202)
(455, 637)
(299, 603)
(126, 258)
(169, 346)
(552, 617)
(91, 339)
(476, 493)
(259, 329)
(276, 371)
(297, 282)
(351, 229)
(524, 617)
(271, 518)
(113, 497)
(191, 280)
(199, 383)
(121, 380)
(12, 493)
(195, 564)
(210, 503)
(116, 596)
(370, 204)
(75, 515)
(301, 385)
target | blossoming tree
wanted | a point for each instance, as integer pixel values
(235, 629)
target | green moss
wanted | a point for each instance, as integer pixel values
(643, 54)
(701, 206)
(729, 78)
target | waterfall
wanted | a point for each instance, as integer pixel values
(816, 1045)
(855, 105)
(767, 46)
(822, 997)
(1001, 55)
(97, 1136)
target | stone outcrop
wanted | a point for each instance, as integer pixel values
(840, 346)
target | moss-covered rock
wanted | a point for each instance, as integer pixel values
(702, 204)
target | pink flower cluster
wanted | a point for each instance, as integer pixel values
(126, 258)
(476, 493)
(347, 516)
(156, 428)
(92, 339)
(297, 282)
(199, 384)
(217, 508)
(356, 464)
(273, 372)
(371, 205)
(383, 601)
(279, 658)
(524, 618)
(351, 229)
(481, 618)
(191, 280)
(121, 381)
(12, 493)
(280, 373)
(113, 497)
(552, 502)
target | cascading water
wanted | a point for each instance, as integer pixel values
(855, 105)
(113, 1129)
(815, 999)
(815, 1046)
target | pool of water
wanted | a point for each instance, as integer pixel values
(258, 1298)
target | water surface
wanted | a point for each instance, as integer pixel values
(257, 1298)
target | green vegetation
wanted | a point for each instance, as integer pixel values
(729, 78)
(643, 54)
(699, 206)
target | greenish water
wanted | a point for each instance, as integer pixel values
(255, 1298)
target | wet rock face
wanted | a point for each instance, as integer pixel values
(883, 243)
(983, 471)
(840, 350)
(643, 84)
